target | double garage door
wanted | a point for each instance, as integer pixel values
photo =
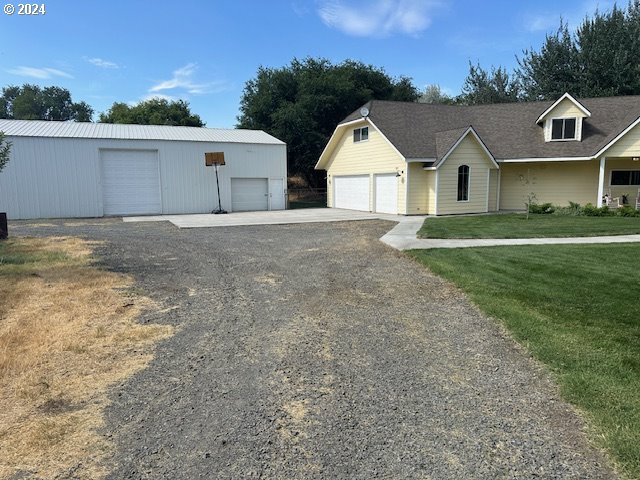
(353, 192)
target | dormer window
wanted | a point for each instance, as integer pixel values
(563, 129)
(360, 134)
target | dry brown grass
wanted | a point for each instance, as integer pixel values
(67, 332)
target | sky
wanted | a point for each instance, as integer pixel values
(204, 51)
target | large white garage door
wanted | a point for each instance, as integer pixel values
(351, 192)
(249, 194)
(386, 193)
(130, 182)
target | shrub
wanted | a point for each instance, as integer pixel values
(545, 208)
(574, 209)
(628, 211)
(590, 210)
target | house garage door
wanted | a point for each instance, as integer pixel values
(351, 192)
(130, 182)
(386, 193)
(249, 194)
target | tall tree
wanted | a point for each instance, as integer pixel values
(602, 58)
(156, 111)
(302, 103)
(31, 102)
(434, 94)
(5, 148)
(481, 87)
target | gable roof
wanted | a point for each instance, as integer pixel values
(566, 96)
(446, 142)
(39, 128)
(508, 130)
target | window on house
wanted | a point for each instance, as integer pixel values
(463, 183)
(360, 134)
(563, 129)
(625, 177)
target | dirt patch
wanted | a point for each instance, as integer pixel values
(67, 332)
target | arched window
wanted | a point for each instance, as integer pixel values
(463, 183)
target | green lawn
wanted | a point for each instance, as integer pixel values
(516, 225)
(295, 204)
(576, 308)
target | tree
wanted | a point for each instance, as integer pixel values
(434, 94)
(303, 102)
(31, 102)
(156, 111)
(5, 148)
(602, 58)
(482, 87)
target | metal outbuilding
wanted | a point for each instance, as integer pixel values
(69, 169)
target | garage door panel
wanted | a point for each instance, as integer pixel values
(249, 194)
(351, 192)
(386, 193)
(130, 182)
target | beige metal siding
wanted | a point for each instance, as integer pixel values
(493, 190)
(373, 156)
(420, 190)
(468, 152)
(553, 182)
(627, 146)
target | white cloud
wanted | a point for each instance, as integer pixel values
(183, 80)
(40, 73)
(378, 18)
(538, 23)
(99, 62)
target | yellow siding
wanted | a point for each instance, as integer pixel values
(628, 145)
(566, 108)
(373, 156)
(420, 189)
(618, 190)
(470, 153)
(553, 182)
(493, 190)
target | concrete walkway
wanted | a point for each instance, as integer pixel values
(403, 237)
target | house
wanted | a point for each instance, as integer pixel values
(412, 158)
(68, 169)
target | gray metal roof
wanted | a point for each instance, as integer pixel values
(39, 128)
(509, 130)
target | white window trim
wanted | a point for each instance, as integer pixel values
(621, 170)
(575, 133)
(360, 128)
(468, 184)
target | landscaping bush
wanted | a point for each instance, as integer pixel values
(545, 208)
(574, 210)
(590, 210)
(628, 211)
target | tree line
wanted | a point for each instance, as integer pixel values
(301, 103)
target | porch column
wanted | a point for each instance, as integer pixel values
(601, 182)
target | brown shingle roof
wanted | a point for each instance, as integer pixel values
(509, 130)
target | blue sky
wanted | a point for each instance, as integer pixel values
(204, 51)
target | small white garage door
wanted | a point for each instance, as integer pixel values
(249, 194)
(351, 192)
(130, 182)
(386, 193)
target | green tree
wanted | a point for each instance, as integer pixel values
(303, 102)
(31, 102)
(496, 86)
(5, 148)
(434, 94)
(156, 111)
(602, 58)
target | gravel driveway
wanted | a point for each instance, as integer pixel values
(314, 351)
